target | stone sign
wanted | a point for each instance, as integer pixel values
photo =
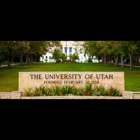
(78, 79)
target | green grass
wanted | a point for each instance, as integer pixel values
(9, 77)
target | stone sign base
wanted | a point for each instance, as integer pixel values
(19, 95)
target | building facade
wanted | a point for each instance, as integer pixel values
(68, 47)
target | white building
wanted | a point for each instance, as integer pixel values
(68, 47)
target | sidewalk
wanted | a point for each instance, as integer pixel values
(129, 65)
(7, 65)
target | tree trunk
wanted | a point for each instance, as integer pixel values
(137, 60)
(27, 59)
(116, 60)
(21, 59)
(31, 60)
(10, 59)
(134, 61)
(131, 61)
(122, 61)
(98, 60)
(104, 59)
(9, 65)
(9, 62)
(110, 60)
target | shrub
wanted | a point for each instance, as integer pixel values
(113, 92)
(56, 90)
(66, 89)
(40, 91)
(88, 90)
(99, 91)
(29, 92)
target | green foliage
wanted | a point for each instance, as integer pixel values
(66, 89)
(29, 92)
(2, 57)
(40, 91)
(76, 91)
(56, 90)
(31, 50)
(55, 44)
(56, 54)
(100, 91)
(74, 57)
(88, 90)
(9, 50)
(90, 48)
(113, 91)
(63, 56)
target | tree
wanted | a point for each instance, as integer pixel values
(63, 56)
(115, 50)
(21, 46)
(132, 47)
(104, 47)
(2, 56)
(123, 51)
(73, 57)
(90, 48)
(55, 44)
(9, 50)
(35, 49)
(56, 55)
(38, 47)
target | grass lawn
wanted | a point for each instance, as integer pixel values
(9, 77)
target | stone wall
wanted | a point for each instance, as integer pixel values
(11, 95)
(18, 95)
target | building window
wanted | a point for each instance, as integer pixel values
(70, 50)
(42, 57)
(46, 57)
(65, 49)
(50, 57)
